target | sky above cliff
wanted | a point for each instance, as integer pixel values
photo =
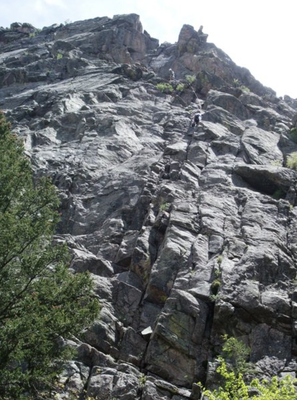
(259, 34)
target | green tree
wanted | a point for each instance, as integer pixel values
(236, 353)
(41, 301)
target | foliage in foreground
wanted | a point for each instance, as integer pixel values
(40, 300)
(234, 386)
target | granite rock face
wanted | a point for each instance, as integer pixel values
(189, 233)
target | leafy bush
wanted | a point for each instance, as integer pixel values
(276, 389)
(215, 286)
(220, 260)
(190, 79)
(292, 161)
(234, 387)
(214, 297)
(245, 89)
(59, 56)
(142, 380)
(164, 206)
(237, 83)
(40, 300)
(164, 87)
(217, 272)
(180, 87)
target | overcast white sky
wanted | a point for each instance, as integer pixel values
(257, 34)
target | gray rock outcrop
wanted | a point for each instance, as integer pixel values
(189, 233)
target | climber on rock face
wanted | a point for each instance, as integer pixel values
(171, 75)
(197, 119)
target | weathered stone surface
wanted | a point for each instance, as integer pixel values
(150, 391)
(261, 147)
(189, 233)
(127, 299)
(87, 261)
(133, 347)
(100, 384)
(189, 40)
(227, 102)
(74, 377)
(217, 114)
(123, 382)
(90, 356)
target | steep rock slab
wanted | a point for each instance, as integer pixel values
(178, 226)
(176, 348)
(261, 147)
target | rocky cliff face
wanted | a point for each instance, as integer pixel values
(190, 233)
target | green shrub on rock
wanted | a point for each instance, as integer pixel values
(292, 161)
(165, 87)
(180, 87)
(215, 285)
(190, 79)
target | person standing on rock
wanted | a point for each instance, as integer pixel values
(202, 36)
(200, 30)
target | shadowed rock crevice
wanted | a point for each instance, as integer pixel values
(267, 179)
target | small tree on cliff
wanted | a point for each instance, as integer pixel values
(40, 300)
